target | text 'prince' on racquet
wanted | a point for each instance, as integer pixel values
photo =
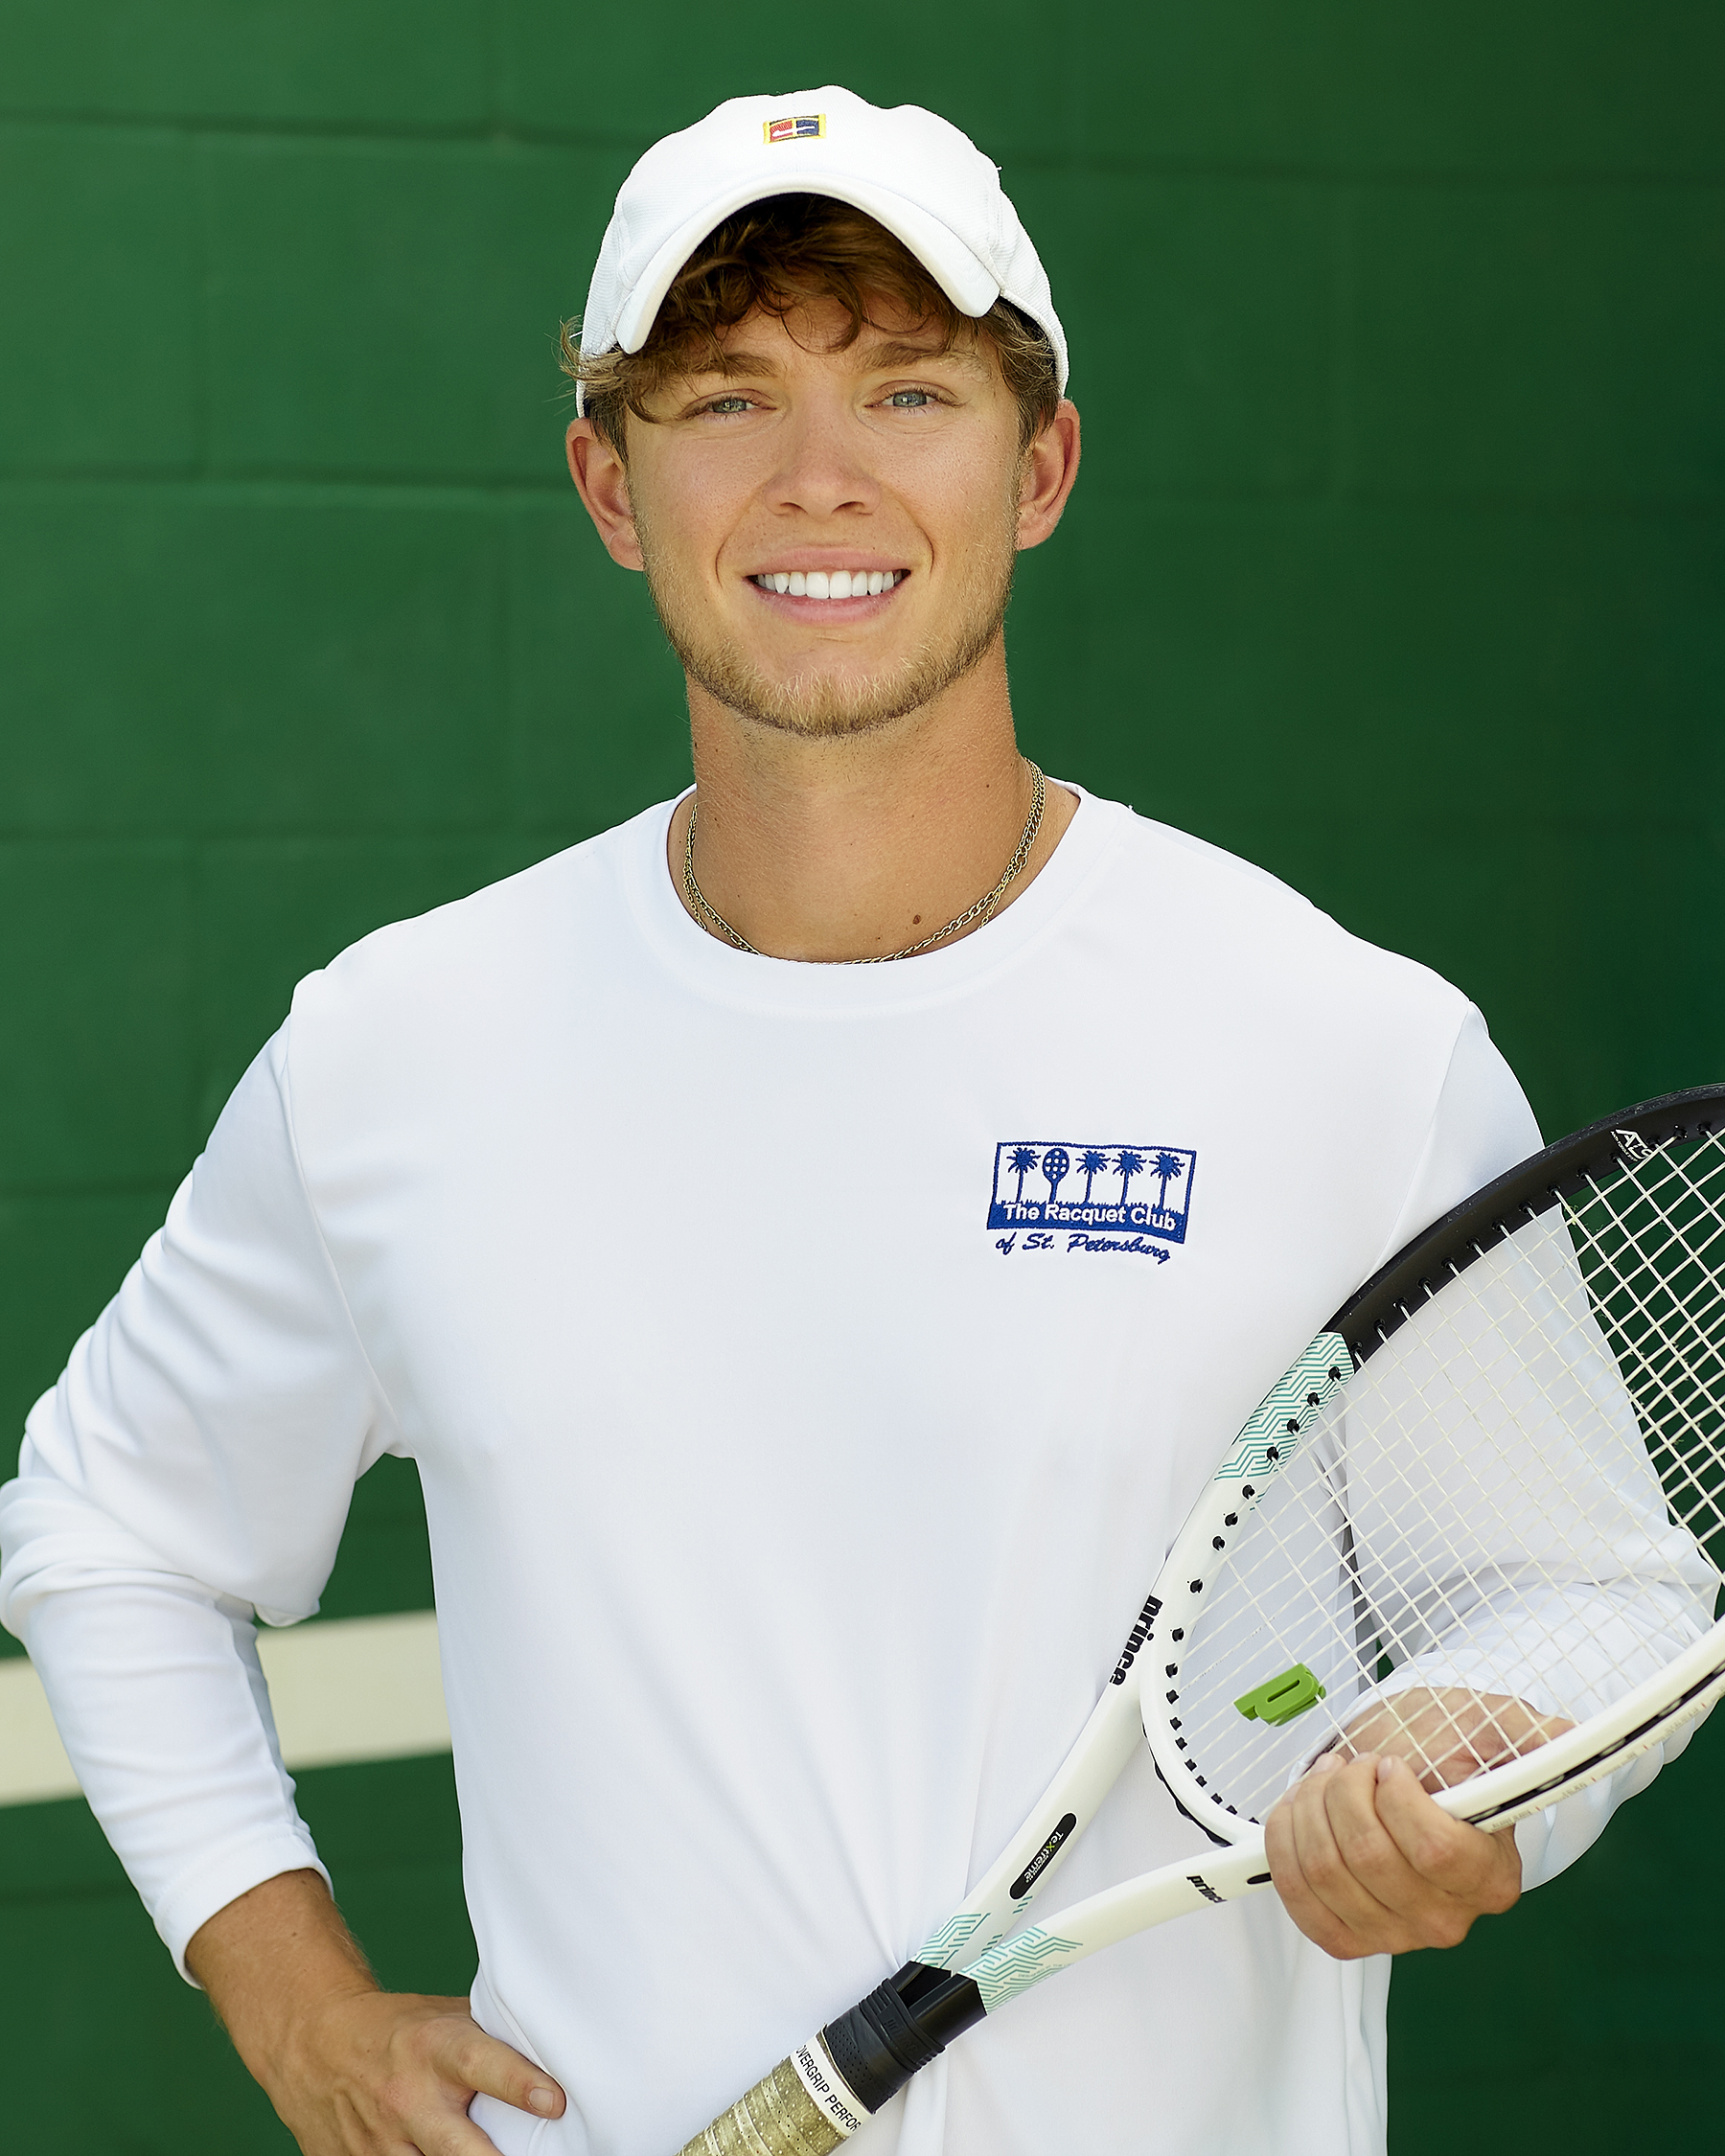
(1480, 1522)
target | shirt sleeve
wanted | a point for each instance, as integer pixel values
(1481, 1126)
(194, 1466)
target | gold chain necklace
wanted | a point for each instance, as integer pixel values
(982, 911)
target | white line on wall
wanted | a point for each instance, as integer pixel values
(346, 1689)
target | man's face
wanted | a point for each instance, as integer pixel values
(887, 466)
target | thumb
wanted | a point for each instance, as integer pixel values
(490, 2068)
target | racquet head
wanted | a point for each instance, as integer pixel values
(1481, 1524)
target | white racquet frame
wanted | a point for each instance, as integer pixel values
(1004, 1962)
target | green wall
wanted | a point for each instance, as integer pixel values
(1396, 566)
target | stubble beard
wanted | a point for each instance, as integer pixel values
(821, 706)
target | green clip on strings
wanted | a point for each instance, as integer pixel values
(1281, 1698)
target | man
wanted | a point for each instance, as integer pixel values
(814, 1241)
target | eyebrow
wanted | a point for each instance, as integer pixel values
(882, 359)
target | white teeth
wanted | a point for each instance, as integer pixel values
(830, 584)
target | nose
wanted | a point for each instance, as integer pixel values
(824, 467)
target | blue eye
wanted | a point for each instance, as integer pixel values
(910, 400)
(728, 404)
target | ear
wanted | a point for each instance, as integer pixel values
(1050, 466)
(603, 484)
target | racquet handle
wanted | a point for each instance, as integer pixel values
(780, 2117)
(824, 2091)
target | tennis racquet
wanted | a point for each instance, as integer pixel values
(1478, 1522)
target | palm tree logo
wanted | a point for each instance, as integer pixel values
(1130, 1164)
(1170, 1167)
(1018, 1163)
(1057, 1165)
(1091, 1164)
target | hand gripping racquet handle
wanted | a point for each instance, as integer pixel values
(823, 2092)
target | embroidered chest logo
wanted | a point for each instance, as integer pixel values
(1093, 1197)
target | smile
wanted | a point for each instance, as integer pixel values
(829, 584)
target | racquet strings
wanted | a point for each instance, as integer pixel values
(1513, 1513)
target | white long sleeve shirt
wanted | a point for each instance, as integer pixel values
(795, 1457)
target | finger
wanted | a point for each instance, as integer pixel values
(1421, 1910)
(428, 2117)
(484, 2066)
(1309, 1872)
(1370, 1889)
(390, 2121)
(1478, 1870)
(442, 2133)
(408, 2113)
(436, 2065)
(1310, 1916)
(1345, 1854)
(1451, 1732)
(1377, 1868)
(1418, 1910)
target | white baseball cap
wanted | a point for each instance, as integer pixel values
(912, 171)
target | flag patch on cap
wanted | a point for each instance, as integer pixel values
(798, 129)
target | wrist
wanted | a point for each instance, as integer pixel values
(274, 1962)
